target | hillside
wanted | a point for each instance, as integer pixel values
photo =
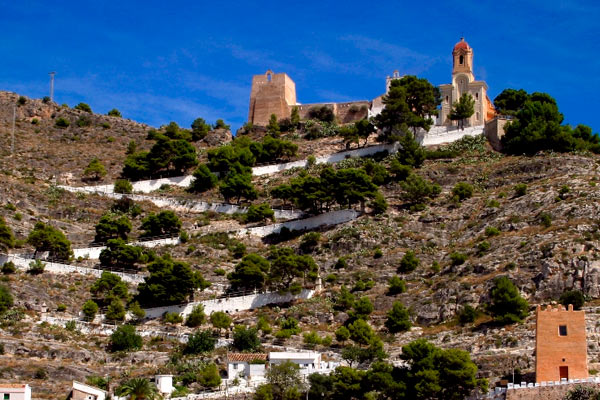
(544, 238)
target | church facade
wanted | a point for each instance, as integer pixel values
(463, 81)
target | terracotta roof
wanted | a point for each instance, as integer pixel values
(461, 45)
(12, 385)
(246, 357)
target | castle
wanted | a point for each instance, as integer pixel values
(273, 93)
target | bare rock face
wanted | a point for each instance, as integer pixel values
(217, 137)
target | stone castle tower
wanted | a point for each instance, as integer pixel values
(560, 344)
(271, 94)
(463, 81)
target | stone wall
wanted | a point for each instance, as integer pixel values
(494, 130)
(344, 112)
(232, 304)
(555, 392)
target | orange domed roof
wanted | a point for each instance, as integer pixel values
(461, 45)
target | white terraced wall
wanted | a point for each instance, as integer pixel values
(184, 205)
(93, 253)
(232, 304)
(446, 134)
(325, 219)
(58, 268)
(151, 185)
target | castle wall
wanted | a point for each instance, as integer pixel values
(344, 112)
(555, 392)
(494, 130)
(271, 94)
(554, 350)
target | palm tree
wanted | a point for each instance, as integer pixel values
(139, 389)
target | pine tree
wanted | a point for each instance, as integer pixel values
(462, 109)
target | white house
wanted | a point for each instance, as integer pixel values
(246, 365)
(164, 383)
(307, 361)
(11, 391)
(82, 391)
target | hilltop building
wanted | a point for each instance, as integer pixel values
(273, 93)
(15, 391)
(560, 344)
(463, 81)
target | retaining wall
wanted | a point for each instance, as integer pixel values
(93, 253)
(325, 219)
(231, 305)
(57, 268)
(446, 134)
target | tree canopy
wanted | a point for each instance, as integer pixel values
(169, 282)
(462, 109)
(538, 126)
(7, 238)
(165, 222)
(507, 306)
(45, 237)
(409, 104)
(112, 227)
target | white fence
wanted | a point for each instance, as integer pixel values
(22, 263)
(325, 219)
(232, 304)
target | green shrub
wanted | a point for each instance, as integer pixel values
(507, 306)
(172, 318)
(90, 308)
(115, 310)
(114, 113)
(71, 326)
(9, 268)
(123, 186)
(311, 338)
(492, 231)
(342, 334)
(435, 267)
(83, 107)
(398, 318)
(377, 253)
(520, 189)
(196, 317)
(492, 203)
(6, 299)
(309, 242)
(458, 258)
(482, 247)
(35, 121)
(22, 100)
(62, 123)
(245, 339)
(200, 342)
(409, 262)
(220, 272)
(467, 315)
(36, 267)
(341, 263)
(396, 286)
(462, 191)
(258, 213)
(574, 297)
(61, 308)
(124, 338)
(546, 219)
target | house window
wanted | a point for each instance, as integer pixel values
(6, 396)
(477, 96)
(562, 330)
(234, 366)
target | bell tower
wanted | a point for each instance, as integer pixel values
(463, 60)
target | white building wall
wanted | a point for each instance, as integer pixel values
(93, 253)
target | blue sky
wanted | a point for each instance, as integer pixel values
(160, 61)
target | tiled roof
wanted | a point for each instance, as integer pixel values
(12, 385)
(461, 45)
(245, 357)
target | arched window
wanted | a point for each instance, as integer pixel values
(447, 99)
(269, 77)
(461, 59)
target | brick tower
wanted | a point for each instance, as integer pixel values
(271, 94)
(560, 344)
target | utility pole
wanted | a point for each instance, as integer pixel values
(52, 85)
(12, 137)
